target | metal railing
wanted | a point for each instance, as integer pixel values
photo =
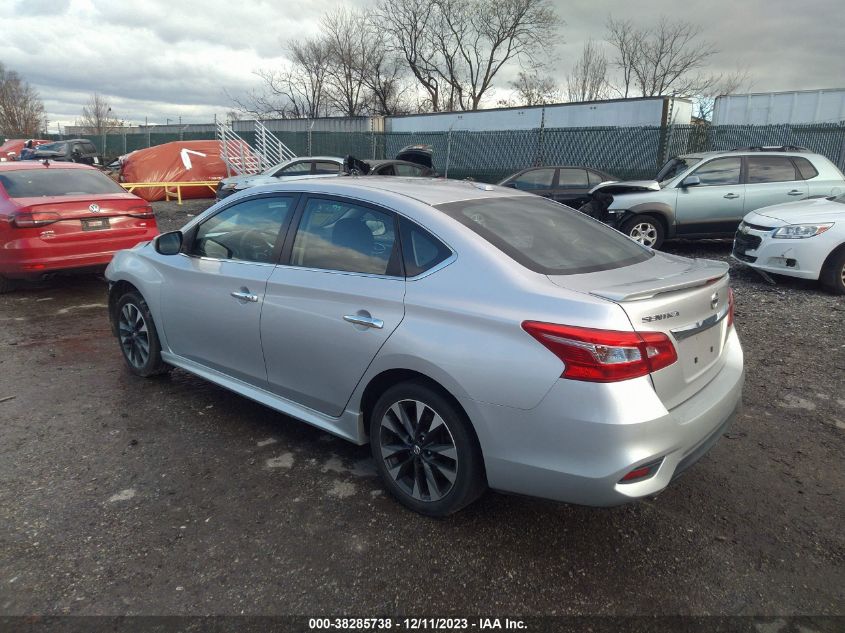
(269, 148)
(237, 154)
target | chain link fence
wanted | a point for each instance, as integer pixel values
(489, 156)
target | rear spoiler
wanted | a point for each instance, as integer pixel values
(703, 273)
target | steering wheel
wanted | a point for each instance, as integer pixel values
(254, 245)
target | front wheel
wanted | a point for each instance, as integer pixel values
(644, 229)
(425, 451)
(833, 273)
(137, 336)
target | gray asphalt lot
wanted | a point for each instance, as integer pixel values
(173, 496)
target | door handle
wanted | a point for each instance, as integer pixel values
(731, 196)
(366, 321)
(244, 295)
(795, 192)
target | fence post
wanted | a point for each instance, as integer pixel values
(539, 158)
(448, 149)
(842, 146)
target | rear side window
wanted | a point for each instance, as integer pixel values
(770, 169)
(572, 179)
(596, 178)
(408, 170)
(326, 168)
(297, 169)
(421, 251)
(50, 181)
(535, 179)
(805, 168)
(722, 171)
(547, 237)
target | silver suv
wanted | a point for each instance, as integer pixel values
(707, 195)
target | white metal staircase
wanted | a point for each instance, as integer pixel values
(241, 158)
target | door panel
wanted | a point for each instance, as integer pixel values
(715, 206)
(571, 187)
(538, 181)
(772, 180)
(314, 356)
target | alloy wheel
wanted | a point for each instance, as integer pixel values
(645, 233)
(418, 450)
(134, 335)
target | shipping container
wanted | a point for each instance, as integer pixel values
(774, 108)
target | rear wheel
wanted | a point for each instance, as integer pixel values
(6, 285)
(645, 229)
(833, 273)
(425, 450)
(137, 336)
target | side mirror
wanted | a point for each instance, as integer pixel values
(691, 181)
(169, 243)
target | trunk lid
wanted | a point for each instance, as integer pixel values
(78, 207)
(685, 299)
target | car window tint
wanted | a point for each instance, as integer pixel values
(770, 169)
(302, 167)
(596, 178)
(572, 179)
(324, 167)
(722, 171)
(535, 179)
(420, 249)
(547, 237)
(386, 170)
(88, 148)
(53, 181)
(805, 168)
(340, 235)
(247, 231)
(408, 170)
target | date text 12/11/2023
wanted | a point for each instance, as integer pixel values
(416, 624)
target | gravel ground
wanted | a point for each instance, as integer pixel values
(172, 496)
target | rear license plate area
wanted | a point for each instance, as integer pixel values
(699, 352)
(95, 224)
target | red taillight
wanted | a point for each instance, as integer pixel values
(34, 219)
(641, 472)
(604, 355)
(730, 307)
(142, 212)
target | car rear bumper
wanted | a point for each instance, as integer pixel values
(583, 438)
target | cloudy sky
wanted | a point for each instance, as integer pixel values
(163, 59)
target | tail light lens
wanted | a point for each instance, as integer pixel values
(142, 212)
(604, 355)
(34, 219)
(730, 307)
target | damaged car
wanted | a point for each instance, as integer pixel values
(706, 195)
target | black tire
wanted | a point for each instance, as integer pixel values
(137, 336)
(418, 469)
(833, 271)
(645, 229)
(6, 285)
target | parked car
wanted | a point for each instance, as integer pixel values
(567, 184)
(77, 150)
(510, 341)
(799, 239)
(64, 218)
(413, 161)
(706, 195)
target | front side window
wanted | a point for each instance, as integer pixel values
(247, 231)
(408, 170)
(297, 169)
(534, 180)
(547, 237)
(770, 169)
(343, 236)
(722, 171)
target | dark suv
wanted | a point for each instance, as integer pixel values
(78, 150)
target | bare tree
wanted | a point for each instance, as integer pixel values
(21, 109)
(97, 117)
(348, 42)
(455, 48)
(664, 59)
(723, 84)
(531, 89)
(588, 79)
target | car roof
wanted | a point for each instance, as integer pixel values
(39, 164)
(392, 161)
(744, 152)
(431, 191)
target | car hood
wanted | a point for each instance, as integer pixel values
(817, 210)
(627, 186)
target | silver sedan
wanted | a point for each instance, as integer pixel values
(473, 335)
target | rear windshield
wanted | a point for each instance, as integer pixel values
(50, 181)
(545, 236)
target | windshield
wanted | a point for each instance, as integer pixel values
(53, 147)
(545, 236)
(50, 181)
(674, 167)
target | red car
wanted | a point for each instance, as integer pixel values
(60, 217)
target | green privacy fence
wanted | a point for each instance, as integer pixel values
(626, 152)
